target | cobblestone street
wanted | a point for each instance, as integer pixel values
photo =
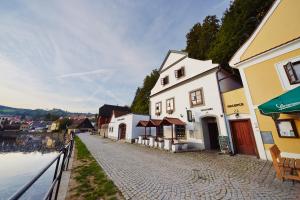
(144, 173)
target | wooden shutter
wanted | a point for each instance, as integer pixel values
(290, 72)
(176, 73)
(182, 71)
(162, 81)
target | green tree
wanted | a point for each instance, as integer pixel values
(200, 37)
(140, 103)
(238, 23)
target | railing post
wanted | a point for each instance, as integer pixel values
(60, 173)
(55, 174)
(70, 153)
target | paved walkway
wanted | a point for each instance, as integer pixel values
(145, 173)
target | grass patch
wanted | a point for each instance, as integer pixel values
(91, 181)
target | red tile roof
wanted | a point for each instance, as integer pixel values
(170, 121)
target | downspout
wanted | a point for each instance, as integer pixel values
(231, 151)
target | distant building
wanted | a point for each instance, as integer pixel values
(24, 126)
(55, 125)
(105, 114)
(80, 125)
(122, 126)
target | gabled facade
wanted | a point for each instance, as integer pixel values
(105, 114)
(188, 89)
(78, 125)
(269, 64)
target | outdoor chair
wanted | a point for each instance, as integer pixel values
(286, 168)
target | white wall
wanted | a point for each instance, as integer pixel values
(182, 101)
(131, 121)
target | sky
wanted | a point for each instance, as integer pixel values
(78, 55)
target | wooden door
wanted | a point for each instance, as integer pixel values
(243, 137)
(122, 131)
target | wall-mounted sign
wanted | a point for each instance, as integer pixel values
(120, 119)
(267, 137)
(206, 109)
(235, 105)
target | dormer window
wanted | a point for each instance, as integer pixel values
(165, 80)
(158, 108)
(179, 73)
(292, 70)
(170, 107)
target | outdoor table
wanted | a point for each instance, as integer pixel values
(290, 166)
(167, 144)
(151, 141)
(140, 139)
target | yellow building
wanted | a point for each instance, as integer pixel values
(238, 120)
(55, 125)
(269, 64)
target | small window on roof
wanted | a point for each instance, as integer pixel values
(292, 70)
(179, 73)
(165, 80)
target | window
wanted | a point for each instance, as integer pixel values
(165, 80)
(286, 128)
(170, 107)
(179, 73)
(196, 97)
(158, 108)
(180, 132)
(292, 70)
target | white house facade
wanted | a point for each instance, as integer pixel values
(124, 127)
(188, 89)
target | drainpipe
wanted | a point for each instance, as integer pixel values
(229, 142)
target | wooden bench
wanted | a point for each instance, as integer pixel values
(286, 168)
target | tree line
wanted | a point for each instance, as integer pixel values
(213, 39)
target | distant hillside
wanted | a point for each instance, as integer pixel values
(36, 113)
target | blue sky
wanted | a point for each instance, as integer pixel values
(78, 55)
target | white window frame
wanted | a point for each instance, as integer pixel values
(158, 111)
(170, 111)
(283, 77)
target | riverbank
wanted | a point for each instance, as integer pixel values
(88, 180)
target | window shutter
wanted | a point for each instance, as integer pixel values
(162, 81)
(176, 73)
(182, 71)
(290, 72)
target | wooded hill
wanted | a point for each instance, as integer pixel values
(213, 39)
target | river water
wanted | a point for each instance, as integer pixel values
(21, 158)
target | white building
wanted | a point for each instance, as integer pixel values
(188, 89)
(123, 126)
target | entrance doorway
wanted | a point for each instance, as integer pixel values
(122, 131)
(243, 139)
(210, 133)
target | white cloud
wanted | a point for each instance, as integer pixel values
(77, 55)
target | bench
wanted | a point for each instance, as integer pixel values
(286, 168)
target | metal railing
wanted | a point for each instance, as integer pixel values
(65, 153)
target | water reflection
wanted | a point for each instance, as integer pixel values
(21, 158)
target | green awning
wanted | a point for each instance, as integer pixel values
(288, 102)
